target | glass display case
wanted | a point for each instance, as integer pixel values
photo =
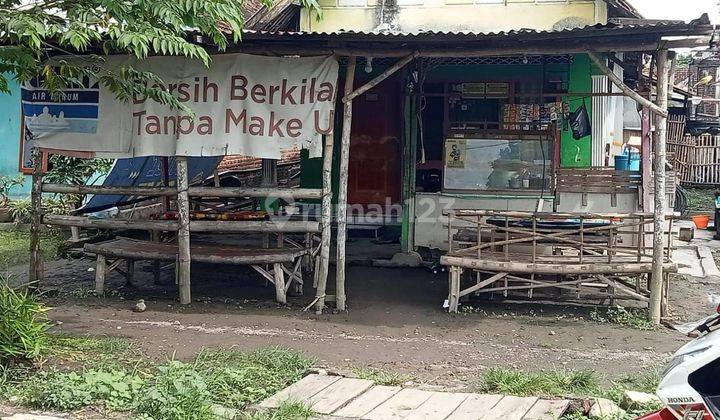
(473, 164)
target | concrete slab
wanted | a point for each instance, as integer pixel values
(356, 400)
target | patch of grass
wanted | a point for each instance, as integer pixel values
(177, 392)
(572, 384)
(107, 372)
(380, 377)
(630, 317)
(94, 352)
(15, 246)
(288, 410)
(23, 325)
(67, 391)
(546, 384)
(237, 378)
(700, 199)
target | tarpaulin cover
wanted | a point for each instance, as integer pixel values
(147, 171)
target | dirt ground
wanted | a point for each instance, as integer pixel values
(394, 322)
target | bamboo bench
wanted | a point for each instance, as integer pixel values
(284, 261)
(593, 255)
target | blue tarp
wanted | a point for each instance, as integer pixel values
(147, 171)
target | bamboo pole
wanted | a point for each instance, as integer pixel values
(284, 193)
(183, 205)
(85, 222)
(108, 190)
(382, 76)
(600, 63)
(36, 274)
(323, 261)
(342, 187)
(656, 281)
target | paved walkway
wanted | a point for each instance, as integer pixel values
(344, 398)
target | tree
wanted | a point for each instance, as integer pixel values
(79, 34)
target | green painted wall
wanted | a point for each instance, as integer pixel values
(578, 153)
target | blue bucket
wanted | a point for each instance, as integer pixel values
(621, 162)
(627, 162)
(633, 162)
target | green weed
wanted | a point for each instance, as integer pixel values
(23, 325)
(68, 391)
(380, 377)
(177, 392)
(699, 199)
(108, 373)
(572, 384)
(288, 410)
(237, 378)
(634, 318)
(547, 384)
(15, 246)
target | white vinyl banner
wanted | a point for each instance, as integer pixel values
(243, 105)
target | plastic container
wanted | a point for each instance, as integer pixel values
(701, 221)
(633, 161)
(621, 162)
(627, 161)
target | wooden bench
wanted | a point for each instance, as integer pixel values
(586, 256)
(284, 261)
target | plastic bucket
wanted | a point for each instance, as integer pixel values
(622, 162)
(701, 221)
(633, 162)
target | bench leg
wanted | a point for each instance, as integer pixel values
(297, 278)
(130, 272)
(100, 275)
(156, 271)
(279, 283)
(454, 292)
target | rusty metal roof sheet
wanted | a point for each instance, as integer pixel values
(665, 27)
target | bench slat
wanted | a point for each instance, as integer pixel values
(223, 254)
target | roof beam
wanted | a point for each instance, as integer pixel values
(382, 76)
(600, 63)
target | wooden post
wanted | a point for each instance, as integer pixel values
(183, 204)
(36, 274)
(100, 270)
(279, 283)
(646, 141)
(342, 188)
(323, 261)
(130, 272)
(656, 281)
(165, 166)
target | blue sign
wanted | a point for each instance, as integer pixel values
(74, 110)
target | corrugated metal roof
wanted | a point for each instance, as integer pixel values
(671, 27)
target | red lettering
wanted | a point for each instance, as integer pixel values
(208, 86)
(273, 91)
(190, 124)
(183, 93)
(139, 115)
(205, 126)
(293, 127)
(286, 95)
(230, 117)
(257, 93)
(329, 128)
(237, 88)
(274, 126)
